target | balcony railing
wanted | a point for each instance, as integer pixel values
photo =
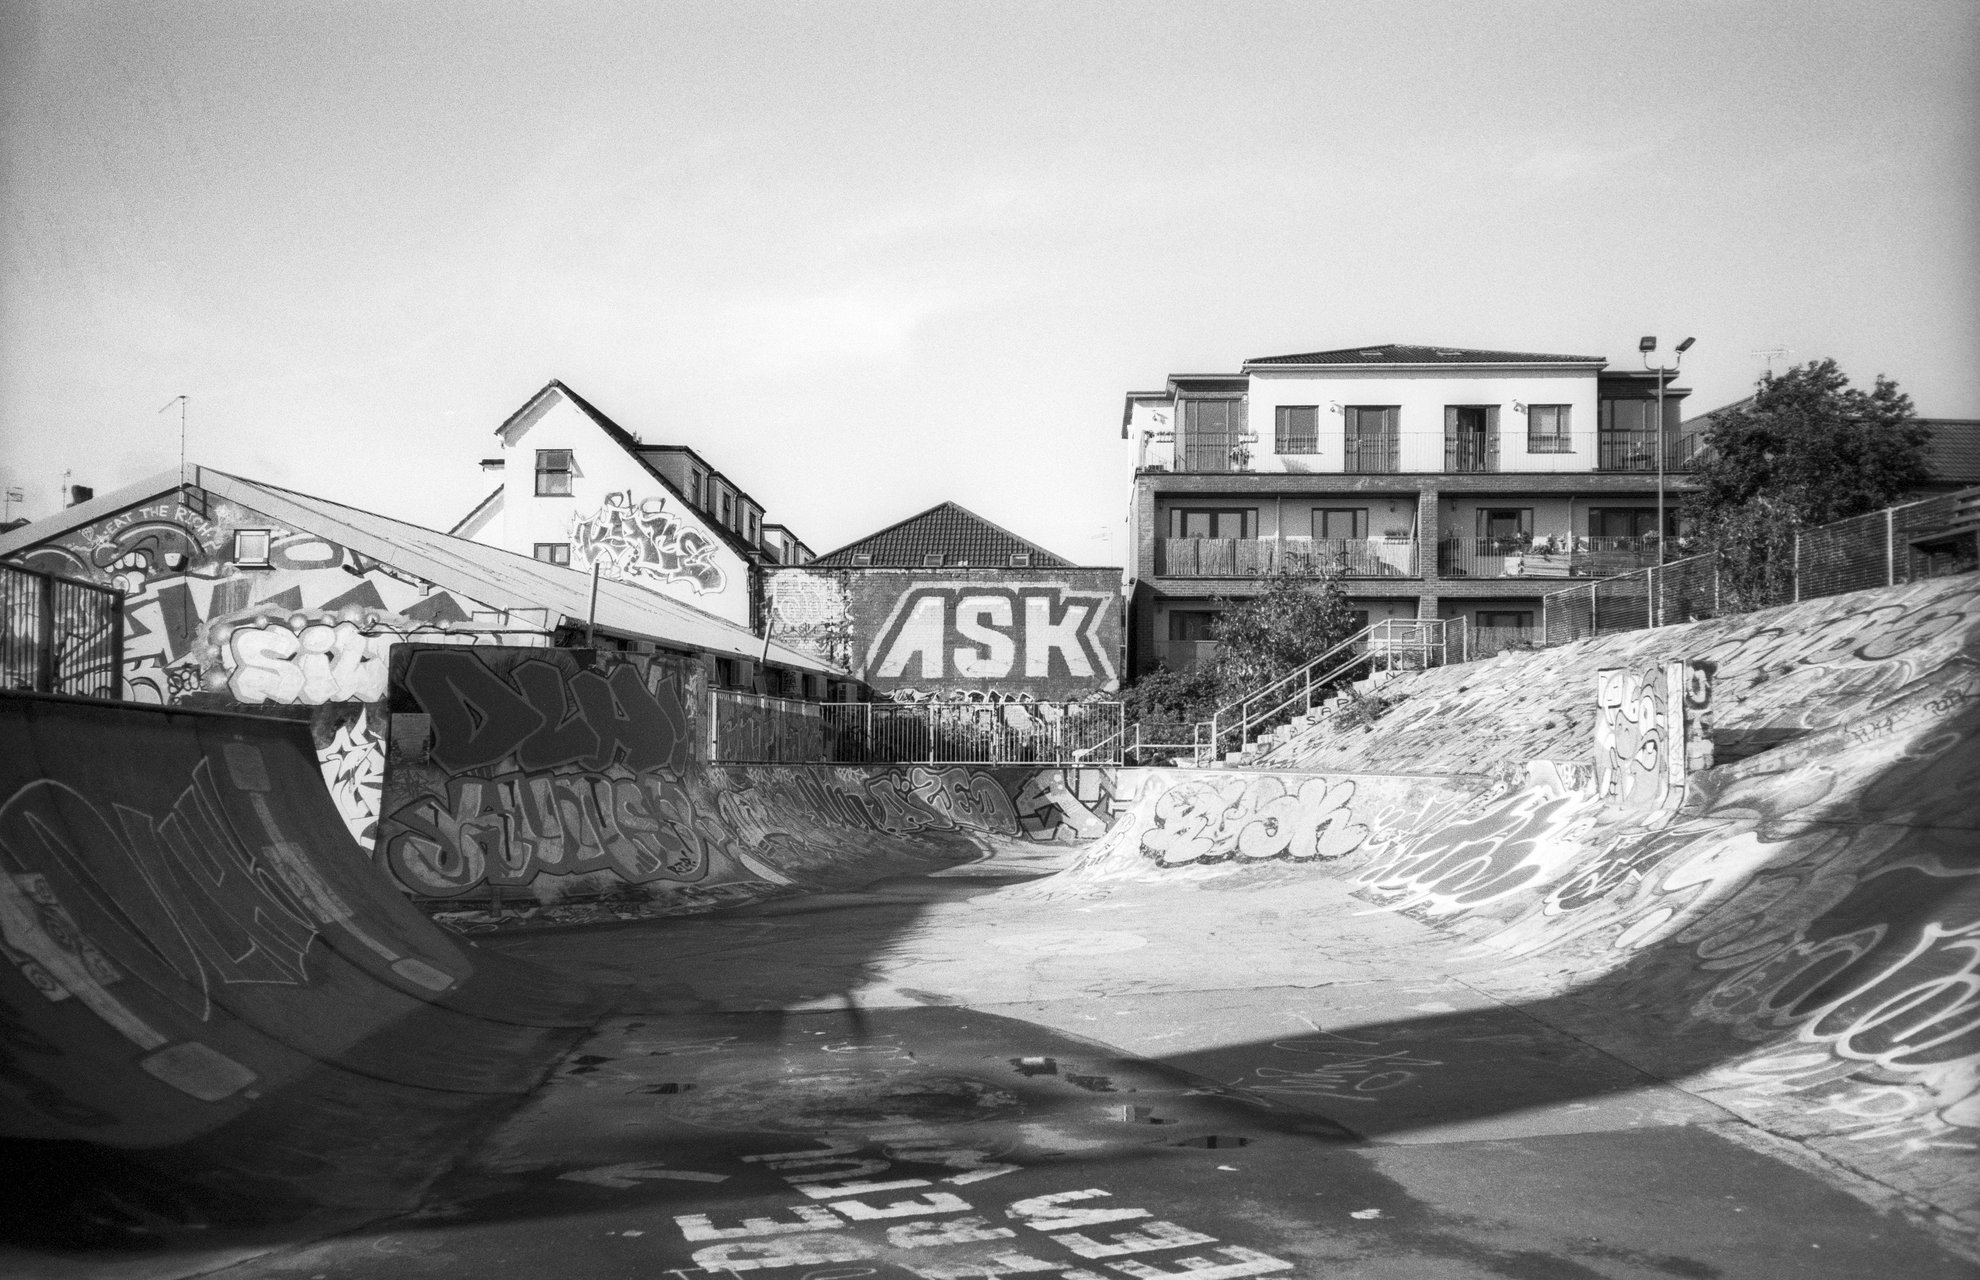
(1558, 556)
(1471, 451)
(1368, 454)
(1637, 451)
(1250, 557)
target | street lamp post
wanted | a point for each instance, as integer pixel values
(1646, 346)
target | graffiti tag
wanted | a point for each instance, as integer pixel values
(643, 541)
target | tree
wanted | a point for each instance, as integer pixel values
(1295, 619)
(1816, 446)
(1806, 449)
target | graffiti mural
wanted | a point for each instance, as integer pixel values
(229, 608)
(947, 634)
(1219, 819)
(1652, 731)
(644, 542)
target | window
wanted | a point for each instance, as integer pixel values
(1020, 559)
(861, 559)
(553, 552)
(1296, 429)
(1340, 522)
(1509, 618)
(1471, 437)
(728, 673)
(251, 548)
(1371, 437)
(1210, 433)
(752, 527)
(1192, 627)
(1625, 522)
(932, 560)
(695, 482)
(553, 473)
(1221, 522)
(728, 510)
(1547, 429)
(1506, 528)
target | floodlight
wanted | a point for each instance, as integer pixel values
(1647, 344)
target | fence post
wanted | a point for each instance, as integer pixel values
(117, 646)
(1890, 547)
(1797, 566)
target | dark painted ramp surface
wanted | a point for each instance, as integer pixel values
(190, 935)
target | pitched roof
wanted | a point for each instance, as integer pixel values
(502, 579)
(636, 451)
(957, 534)
(1396, 353)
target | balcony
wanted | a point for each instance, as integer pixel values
(1250, 557)
(1555, 556)
(1637, 451)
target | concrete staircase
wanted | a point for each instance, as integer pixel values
(1306, 726)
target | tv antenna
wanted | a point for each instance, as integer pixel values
(1771, 354)
(182, 402)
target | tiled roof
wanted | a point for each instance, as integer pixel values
(1401, 353)
(957, 534)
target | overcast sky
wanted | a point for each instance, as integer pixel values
(866, 257)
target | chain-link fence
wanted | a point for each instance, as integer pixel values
(1883, 548)
(758, 729)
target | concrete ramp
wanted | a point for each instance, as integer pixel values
(190, 935)
(1792, 935)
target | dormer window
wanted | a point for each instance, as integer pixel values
(554, 470)
(1020, 559)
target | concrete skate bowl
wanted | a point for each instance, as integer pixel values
(1792, 934)
(218, 1011)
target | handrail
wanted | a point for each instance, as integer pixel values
(1302, 682)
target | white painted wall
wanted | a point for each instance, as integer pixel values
(603, 468)
(1422, 395)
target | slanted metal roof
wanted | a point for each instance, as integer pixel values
(502, 579)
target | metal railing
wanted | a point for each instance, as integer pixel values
(1250, 557)
(60, 635)
(1637, 450)
(1393, 644)
(1546, 556)
(1873, 550)
(753, 728)
(1376, 453)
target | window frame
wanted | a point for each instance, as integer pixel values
(545, 469)
(1560, 440)
(537, 550)
(1247, 521)
(1286, 439)
(1389, 429)
(1359, 522)
(244, 558)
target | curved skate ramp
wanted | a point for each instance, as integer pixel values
(189, 932)
(1792, 935)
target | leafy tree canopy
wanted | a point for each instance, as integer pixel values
(1816, 448)
(1295, 619)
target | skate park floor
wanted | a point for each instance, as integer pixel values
(971, 1072)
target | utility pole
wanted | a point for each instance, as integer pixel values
(1646, 346)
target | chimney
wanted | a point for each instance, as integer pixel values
(491, 464)
(80, 493)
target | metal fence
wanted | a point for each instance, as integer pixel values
(1883, 548)
(751, 728)
(59, 635)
